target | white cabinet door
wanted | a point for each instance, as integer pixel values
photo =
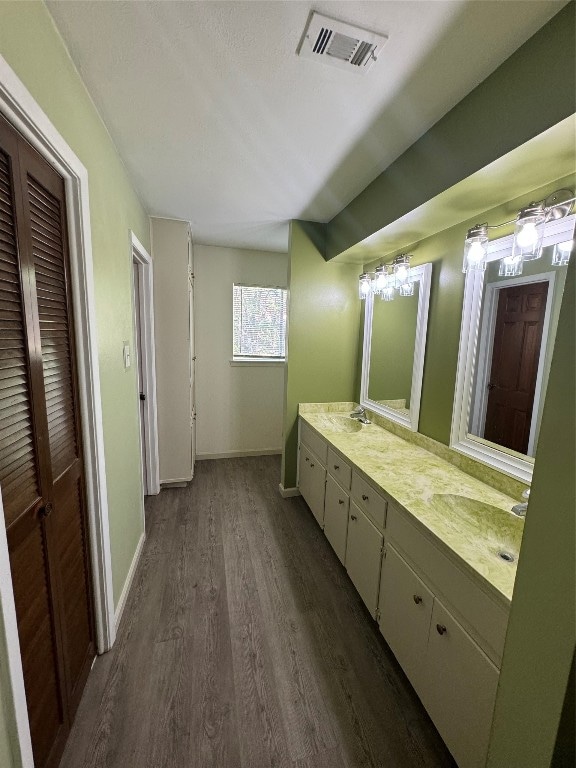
(364, 556)
(336, 517)
(312, 482)
(405, 610)
(460, 689)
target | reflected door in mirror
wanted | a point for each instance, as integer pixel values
(517, 340)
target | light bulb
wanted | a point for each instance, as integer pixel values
(365, 287)
(402, 273)
(561, 254)
(380, 282)
(476, 252)
(528, 235)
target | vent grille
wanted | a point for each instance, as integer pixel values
(339, 44)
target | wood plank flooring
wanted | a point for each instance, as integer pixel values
(244, 645)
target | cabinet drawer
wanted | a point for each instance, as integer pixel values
(339, 469)
(312, 482)
(369, 500)
(404, 612)
(460, 689)
(318, 445)
(364, 557)
(336, 517)
(486, 619)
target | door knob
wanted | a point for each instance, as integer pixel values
(44, 511)
(142, 396)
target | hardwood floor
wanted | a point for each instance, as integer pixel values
(244, 645)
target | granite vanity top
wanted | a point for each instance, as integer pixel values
(471, 519)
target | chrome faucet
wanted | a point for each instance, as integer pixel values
(359, 414)
(520, 509)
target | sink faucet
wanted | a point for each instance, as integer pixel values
(520, 509)
(359, 414)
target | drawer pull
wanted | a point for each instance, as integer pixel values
(441, 629)
(364, 497)
(340, 501)
(336, 466)
(353, 517)
(417, 599)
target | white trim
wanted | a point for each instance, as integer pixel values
(480, 396)
(288, 493)
(263, 361)
(510, 463)
(129, 579)
(140, 256)
(423, 275)
(238, 454)
(22, 111)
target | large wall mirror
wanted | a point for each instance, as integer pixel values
(393, 354)
(506, 344)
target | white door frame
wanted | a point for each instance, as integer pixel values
(485, 349)
(141, 258)
(19, 107)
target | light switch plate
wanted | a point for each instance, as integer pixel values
(127, 360)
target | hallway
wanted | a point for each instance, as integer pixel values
(244, 645)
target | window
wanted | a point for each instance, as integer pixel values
(259, 331)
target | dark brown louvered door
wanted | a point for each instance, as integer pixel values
(40, 448)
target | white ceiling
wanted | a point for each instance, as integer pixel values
(220, 123)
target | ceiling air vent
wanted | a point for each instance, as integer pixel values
(339, 44)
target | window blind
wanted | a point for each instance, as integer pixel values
(259, 327)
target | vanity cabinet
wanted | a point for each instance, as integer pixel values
(312, 482)
(454, 678)
(459, 689)
(364, 556)
(336, 508)
(404, 615)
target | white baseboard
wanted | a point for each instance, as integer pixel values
(128, 583)
(287, 493)
(171, 480)
(239, 454)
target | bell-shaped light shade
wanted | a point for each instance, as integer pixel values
(476, 248)
(561, 254)
(407, 288)
(381, 279)
(510, 266)
(364, 285)
(529, 232)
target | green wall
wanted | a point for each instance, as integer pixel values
(32, 47)
(323, 330)
(531, 91)
(445, 250)
(393, 333)
(541, 634)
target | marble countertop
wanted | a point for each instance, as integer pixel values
(472, 519)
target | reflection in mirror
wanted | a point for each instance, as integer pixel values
(394, 343)
(506, 344)
(517, 329)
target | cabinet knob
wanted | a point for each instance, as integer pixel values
(364, 497)
(340, 501)
(417, 599)
(336, 466)
(441, 629)
(311, 465)
(307, 459)
(353, 517)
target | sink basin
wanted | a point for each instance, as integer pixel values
(333, 422)
(493, 529)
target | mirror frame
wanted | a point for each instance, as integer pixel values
(460, 438)
(423, 275)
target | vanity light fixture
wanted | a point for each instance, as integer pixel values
(528, 236)
(388, 279)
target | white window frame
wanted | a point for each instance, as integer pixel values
(241, 360)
